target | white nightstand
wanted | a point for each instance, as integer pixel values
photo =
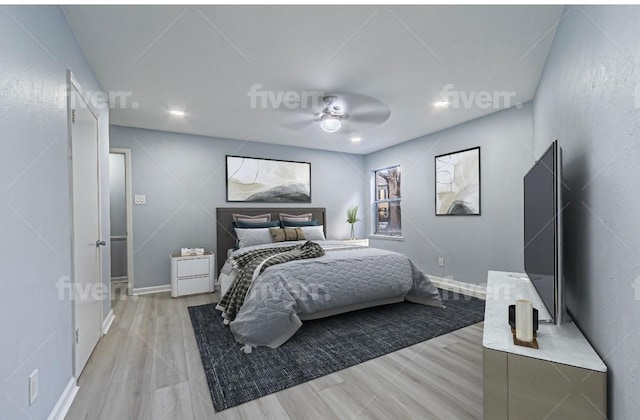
(192, 274)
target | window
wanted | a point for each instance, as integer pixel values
(386, 201)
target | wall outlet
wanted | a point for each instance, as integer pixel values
(140, 199)
(441, 261)
(33, 386)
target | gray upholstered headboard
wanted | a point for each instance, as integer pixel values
(226, 237)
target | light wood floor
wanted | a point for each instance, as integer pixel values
(148, 367)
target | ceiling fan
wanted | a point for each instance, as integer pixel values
(335, 113)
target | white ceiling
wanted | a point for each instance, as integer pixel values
(205, 59)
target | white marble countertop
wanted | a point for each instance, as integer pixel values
(563, 344)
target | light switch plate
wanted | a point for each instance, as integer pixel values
(441, 261)
(140, 199)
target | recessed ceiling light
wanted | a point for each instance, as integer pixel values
(177, 113)
(441, 104)
(356, 139)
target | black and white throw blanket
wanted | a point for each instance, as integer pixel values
(251, 264)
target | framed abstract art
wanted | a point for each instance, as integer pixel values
(458, 183)
(267, 180)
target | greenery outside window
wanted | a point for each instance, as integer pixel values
(386, 203)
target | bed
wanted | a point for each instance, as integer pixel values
(344, 278)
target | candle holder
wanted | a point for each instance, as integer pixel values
(512, 323)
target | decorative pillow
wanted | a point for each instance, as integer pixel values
(250, 237)
(296, 217)
(245, 224)
(313, 233)
(260, 218)
(298, 223)
(287, 234)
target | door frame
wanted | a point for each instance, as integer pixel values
(129, 204)
(72, 84)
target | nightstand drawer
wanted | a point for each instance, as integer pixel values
(194, 285)
(193, 267)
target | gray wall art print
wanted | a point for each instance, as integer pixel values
(458, 183)
(268, 180)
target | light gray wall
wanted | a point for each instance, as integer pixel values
(37, 46)
(589, 99)
(183, 178)
(471, 245)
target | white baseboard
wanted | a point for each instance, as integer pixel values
(476, 290)
(106, 324)
(64, 402)
(153, 289)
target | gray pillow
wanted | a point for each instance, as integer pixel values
(257, 218)
(298, 223)
(246, 224)
(296, 217)
(251, 237)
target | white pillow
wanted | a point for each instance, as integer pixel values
(313, 233)
(250, 237)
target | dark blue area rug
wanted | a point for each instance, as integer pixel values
(320, 347)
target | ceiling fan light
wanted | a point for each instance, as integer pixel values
(330, 123)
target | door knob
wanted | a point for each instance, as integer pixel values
(100, 243)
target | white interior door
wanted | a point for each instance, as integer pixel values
(86, 230)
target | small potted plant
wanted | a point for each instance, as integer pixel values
(352, 218)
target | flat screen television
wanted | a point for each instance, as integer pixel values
(543, 230)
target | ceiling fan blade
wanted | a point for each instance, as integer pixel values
(295, 120)
(350, 129)
(299, 125)
(351, 101)
(370, 117)
(362, 109)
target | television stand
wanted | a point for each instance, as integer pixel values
(563, 379)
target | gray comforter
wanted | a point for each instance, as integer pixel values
(342, 278)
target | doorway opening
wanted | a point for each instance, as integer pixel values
(120, 208)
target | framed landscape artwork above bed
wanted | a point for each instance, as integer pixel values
(267, 180)
(458, 183)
